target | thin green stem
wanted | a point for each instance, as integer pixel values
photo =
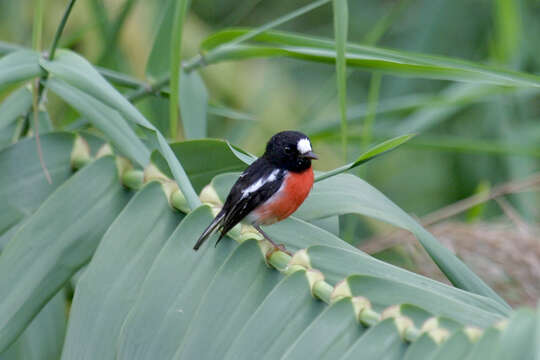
(60, 29)
(176, 56)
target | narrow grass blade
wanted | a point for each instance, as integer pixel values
(372, 153)
(193, 100)
(341, 26)
(118, 269)
(180, 13)
(158, 64)
(15, 105)
(55, 242)
(19, 66)
(397, 62)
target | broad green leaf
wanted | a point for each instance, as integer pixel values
(10, 133)
(372, 153)
(109, 286)
(202, 160)
(397, 62)
(113, 126)
(383, 293)
(177, 280)
(341, 27)
(485, 348)
(417, 314)
(237, 290)
(517, 341)
(336, 264)
(276, 323)
(14, 106)
(55, 242)
(44, 337)
(329, 336)
(158, 61)
(381, 341)
(77, 72)
(241, 154)
(24, 188)
(455, 347)
(422, 348)
(345, 194)
(193, 100)
(19, 66)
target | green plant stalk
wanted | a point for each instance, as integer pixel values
(176, 55)
(60, 29)
(341, 25)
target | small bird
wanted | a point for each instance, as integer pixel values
(270, 189)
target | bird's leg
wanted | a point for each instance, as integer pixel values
(278, 247)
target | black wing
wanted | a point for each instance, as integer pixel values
(238, 204)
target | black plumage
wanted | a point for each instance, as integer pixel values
(281, 156)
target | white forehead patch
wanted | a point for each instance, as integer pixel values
(303, 146)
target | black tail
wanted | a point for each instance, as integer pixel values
(209, 230)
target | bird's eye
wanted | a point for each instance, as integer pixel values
(288, 150)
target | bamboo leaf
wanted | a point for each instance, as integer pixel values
(15, 105)
(202, 160)
(177, 280)
(19, 66)
(287, 310)
(230, 300)
(55, 242)
(372, 153)
(349, 194)
(117, 271)
(423, 348)
(180, 13)
(104, 118)
(158, 64)
(382, 341)
(456, 347)
(341, 26)
(24, 188)
(383, 293)
(397, 62)
(44, 336)
(329, 336)
(193, 100)
(77, 72)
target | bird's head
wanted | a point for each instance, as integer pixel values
(290, 150)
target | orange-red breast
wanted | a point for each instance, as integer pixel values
(271, 188)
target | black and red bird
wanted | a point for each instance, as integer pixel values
(270, 189)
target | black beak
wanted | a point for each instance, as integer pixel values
(310, 155)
